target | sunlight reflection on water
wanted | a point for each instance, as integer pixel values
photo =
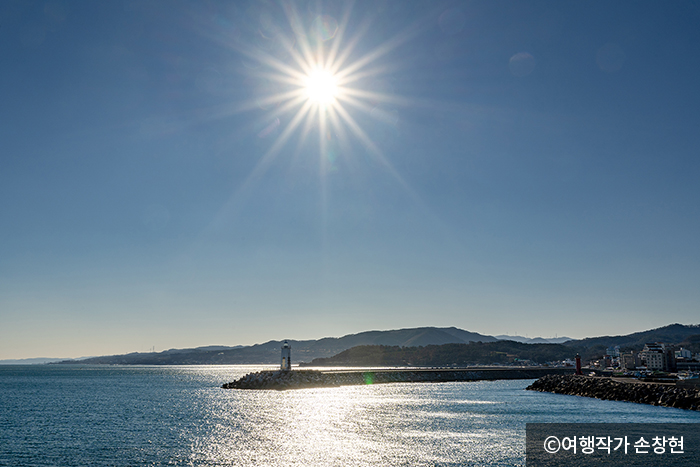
(158, 416)
(392, 424)
(479, 423)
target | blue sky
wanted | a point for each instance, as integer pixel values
(503, 167)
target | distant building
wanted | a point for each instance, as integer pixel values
(652, 356)
(607, 361)
(685, 360)
(670, 354)
(688, 366)
(629, 361)
(658, 356)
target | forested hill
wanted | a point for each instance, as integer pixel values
(678, 334)
(475, 353)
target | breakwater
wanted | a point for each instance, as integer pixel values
(299, 379)
(666, 395)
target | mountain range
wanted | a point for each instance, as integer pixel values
(307, 350)
(304, 350)
(680, 334)
(534, 340)
(475, 353)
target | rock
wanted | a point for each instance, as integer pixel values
(607, 389)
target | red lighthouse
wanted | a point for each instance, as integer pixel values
(578, 365)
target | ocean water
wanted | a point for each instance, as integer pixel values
(55, 415)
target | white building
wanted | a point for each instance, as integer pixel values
(613, 351)
(653, 360)
(653, 356)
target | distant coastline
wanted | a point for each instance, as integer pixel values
(399, 347)
(33, 361)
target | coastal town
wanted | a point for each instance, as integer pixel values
(658, 374)
(654, 358)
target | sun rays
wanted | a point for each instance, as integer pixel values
(318, 92)
(318, 86)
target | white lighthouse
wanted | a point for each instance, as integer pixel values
(286, 357)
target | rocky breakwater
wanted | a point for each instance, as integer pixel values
(298, 379)
(283, 380)
(666, 395)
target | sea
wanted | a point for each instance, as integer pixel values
(82, 415)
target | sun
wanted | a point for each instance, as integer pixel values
(321, 86)
(309, 78)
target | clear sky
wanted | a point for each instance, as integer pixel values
(168, 180)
